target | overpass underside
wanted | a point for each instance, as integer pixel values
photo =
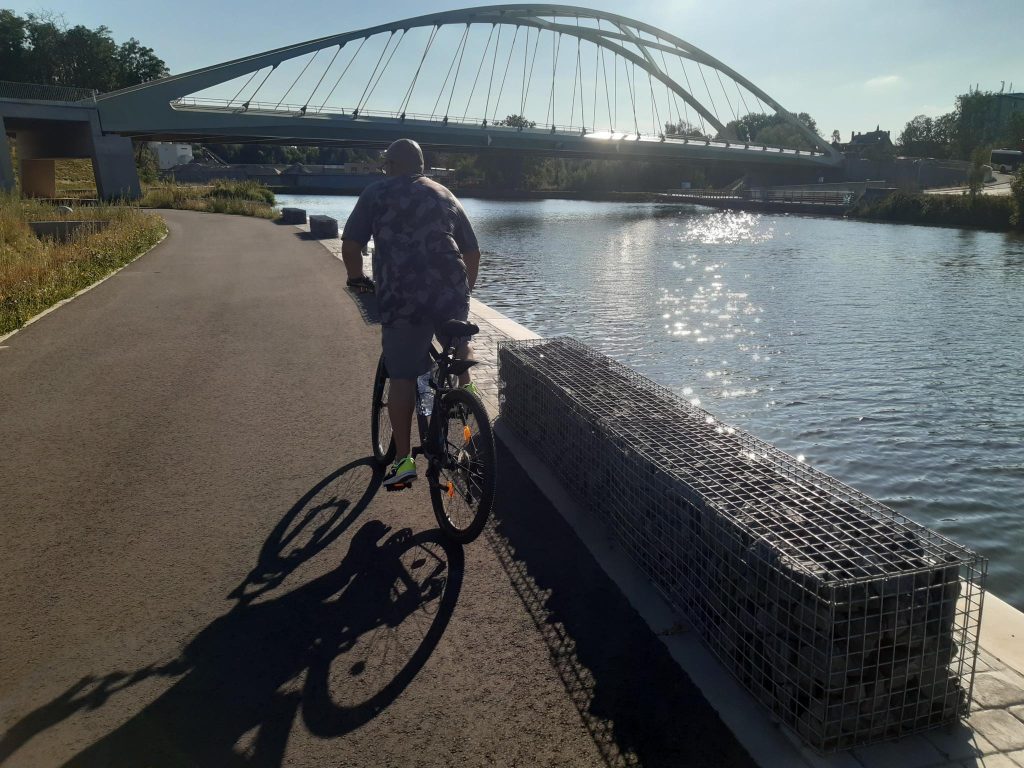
(46, 131)
(234, 126)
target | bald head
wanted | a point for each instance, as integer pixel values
(405, 156)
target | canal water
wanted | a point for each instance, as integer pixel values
(888, 356)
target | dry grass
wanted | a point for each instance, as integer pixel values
(35, 274)
(243, 198)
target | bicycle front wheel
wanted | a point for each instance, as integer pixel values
(464, 491)
(381, 434)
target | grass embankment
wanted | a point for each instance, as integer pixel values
(244, 198)
(995, 212)
(36, 274)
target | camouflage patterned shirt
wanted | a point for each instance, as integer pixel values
(420, 232)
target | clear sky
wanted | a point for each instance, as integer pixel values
(851, 65)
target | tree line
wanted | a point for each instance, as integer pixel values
(41, 48)
(978, 121)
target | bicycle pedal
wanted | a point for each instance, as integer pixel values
(398, 486)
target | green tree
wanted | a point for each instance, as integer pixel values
(40, 48)
(976, 176)
(517, 121)
(927, 137)
(769, 129)
(12, 44)
(137, 63)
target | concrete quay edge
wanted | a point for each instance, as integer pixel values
(772, 745)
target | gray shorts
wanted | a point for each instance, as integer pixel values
(407, 349)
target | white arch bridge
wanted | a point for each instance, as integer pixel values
(546, 79)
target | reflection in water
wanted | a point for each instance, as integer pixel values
(889, 355)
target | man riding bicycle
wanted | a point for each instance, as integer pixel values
(425, 264)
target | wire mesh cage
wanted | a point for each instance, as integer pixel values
(851, 623)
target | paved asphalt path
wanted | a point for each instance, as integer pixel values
(198, 566)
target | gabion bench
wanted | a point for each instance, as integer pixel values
(293, 216)
(851, 623)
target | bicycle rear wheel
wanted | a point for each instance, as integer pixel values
(381, 434)
(464, 491)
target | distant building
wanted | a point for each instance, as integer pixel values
(861, 142)
(169, 155)
(1007, 104)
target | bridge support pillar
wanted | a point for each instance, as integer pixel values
(6, 166)
(113, 162)
(38, 177)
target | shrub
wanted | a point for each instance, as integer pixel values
(243, 198)
(984, 211)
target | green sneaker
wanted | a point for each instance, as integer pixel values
(471, 387)
(402, 471)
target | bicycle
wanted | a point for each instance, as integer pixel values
(456, 438)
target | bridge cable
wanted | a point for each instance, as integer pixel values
(508, 62)
(669, 92)
(458, 69)
(490, 82)
(579, 69)
(250, 99)
(315, 54)
(575, 77)
(632, 100)
(615, 90)
(338, 81)
(529, 80)
(659, 129)
(246, 85)
(483, 58)
(741, 97)
(604, 71)
(727, 100)
(415, 77)
(374, 73)
(689, 89)
(384, 69)
(710, 97)
(555, 50)
(522, 86)
(329, 65)
(448, 74)
(597, 57)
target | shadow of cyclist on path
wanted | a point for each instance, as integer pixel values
(338, 649)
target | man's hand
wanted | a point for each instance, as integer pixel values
(361, 284)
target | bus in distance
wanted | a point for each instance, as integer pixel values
(1006, 160)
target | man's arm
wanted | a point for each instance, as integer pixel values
(352, 255)
(472, 259)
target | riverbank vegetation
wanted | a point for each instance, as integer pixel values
(37, 273)
(995, 212)
(244, 198)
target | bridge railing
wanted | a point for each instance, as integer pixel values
(40, 92)
(297, 110)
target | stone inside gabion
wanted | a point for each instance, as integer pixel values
(851, 623)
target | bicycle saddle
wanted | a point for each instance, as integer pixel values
(457, 328)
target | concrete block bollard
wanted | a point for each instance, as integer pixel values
(323, 226)
(293, 216)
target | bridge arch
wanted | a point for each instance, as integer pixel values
(658, 55)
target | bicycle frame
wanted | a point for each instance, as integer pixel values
(442, 382)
